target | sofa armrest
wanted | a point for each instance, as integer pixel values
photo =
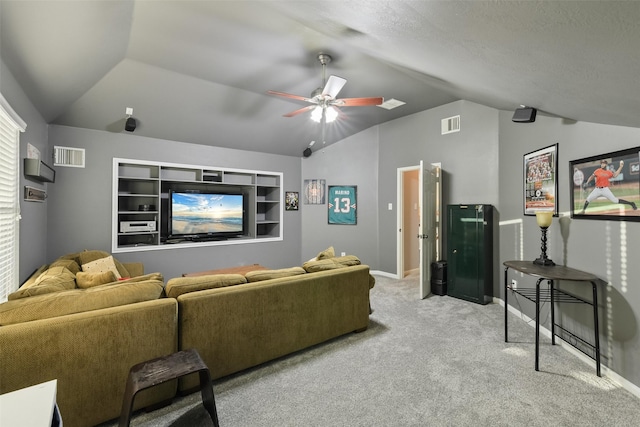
(135, 269)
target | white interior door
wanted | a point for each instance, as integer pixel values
(428, 231)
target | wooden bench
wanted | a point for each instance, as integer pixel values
(157, 371)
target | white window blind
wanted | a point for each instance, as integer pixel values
(10, 127)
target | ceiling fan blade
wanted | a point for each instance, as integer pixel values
(300, 111)
(358, 102)
(288, 95)
(334, 86)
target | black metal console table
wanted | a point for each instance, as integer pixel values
(551, 274)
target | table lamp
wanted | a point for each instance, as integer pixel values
(544, 221)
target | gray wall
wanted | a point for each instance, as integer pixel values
(469, 162)
(33, 226)
(608, 249)
(353, 161)
(80, 201)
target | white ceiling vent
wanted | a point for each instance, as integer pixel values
(68, 156)
(450, 125)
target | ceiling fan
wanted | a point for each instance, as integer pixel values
(324, 104)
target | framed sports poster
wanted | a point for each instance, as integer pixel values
(541, 181)
(342, 204)
(314, 191)
(606, 186)
(291, 200)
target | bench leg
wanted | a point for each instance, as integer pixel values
(206, 389)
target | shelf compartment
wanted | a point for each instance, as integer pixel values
(238, 178)
(134, 170)
(267, 211)
(268, 194)
(212, 176)
(181, 174)
(137, 203)
(138, 239)
(268, 180)
(137, 187)
(267, 229)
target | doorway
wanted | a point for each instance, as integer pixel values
(419, 200)
(408, 221)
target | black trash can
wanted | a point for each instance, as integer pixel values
(439, 278)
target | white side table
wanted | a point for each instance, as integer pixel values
(31, 406)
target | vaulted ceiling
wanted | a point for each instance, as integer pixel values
(198, 71)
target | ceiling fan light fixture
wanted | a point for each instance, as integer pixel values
(331, 114)
(316, 114)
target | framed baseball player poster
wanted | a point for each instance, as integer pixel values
(606, 186)
(342, 204)
(541, 181)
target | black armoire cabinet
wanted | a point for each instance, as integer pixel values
(470, 252)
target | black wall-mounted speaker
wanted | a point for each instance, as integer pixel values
(307, 152)
(524, 115)
(130, 124)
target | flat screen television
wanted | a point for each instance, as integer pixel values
(203, 214)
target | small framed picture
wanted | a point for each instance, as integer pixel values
(314, 191)
(291, 200)
(342, 204)
(541, 181)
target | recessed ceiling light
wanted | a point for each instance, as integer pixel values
(390, 104)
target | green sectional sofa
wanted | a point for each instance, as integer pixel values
(86, 330)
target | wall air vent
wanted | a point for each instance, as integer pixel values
(68, 156)
(450, 125)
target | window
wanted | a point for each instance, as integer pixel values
(10, 127)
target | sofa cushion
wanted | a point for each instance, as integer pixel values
(87, 256)
(182, 285)
(326, 254)
(34, 276)
(78, 301)
(144, 277)
(256, 276)
(69, 264)
(101, 265)
(348, 260)
(322, 265)
(86, 280)
(55, 279)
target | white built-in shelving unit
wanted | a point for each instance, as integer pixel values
(141, 189)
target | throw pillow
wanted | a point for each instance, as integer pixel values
(88, 280)
(101, 265)
(87, 256)
(326, 254)
(55, 279)
(256, 276)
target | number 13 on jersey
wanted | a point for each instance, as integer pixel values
(342, 204)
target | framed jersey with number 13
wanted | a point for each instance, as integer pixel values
(342, 204)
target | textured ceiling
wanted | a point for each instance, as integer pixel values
(198, 71)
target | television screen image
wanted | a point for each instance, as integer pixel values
(200, 213)
(606, 186)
